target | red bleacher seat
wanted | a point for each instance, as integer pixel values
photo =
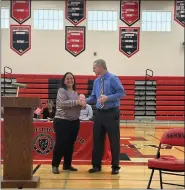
(170, 118)
(170, 112)
(176, 93)
(177, 108)
(171, 82)
(169, 98)
(177, 88)
(165, 103)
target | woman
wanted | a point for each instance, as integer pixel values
(49, 112)
(66, 123)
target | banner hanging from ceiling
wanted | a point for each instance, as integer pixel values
(20, 38)
(75, 39)
(20, 10)
(129, 38)
(179, 12)
(75, 11)
(130, 11)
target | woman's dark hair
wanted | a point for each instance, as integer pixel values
(62, 85)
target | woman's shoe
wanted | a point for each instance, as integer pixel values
(55, 170)
(71, 168)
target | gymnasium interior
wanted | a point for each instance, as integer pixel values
(142, 43)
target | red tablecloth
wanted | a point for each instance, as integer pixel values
(44, 140)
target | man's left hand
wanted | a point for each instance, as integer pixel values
(102, 99)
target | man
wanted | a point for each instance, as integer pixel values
(86, 113)
(106, 93)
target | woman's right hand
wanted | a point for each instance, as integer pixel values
(81, 102)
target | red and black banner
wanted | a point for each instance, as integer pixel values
(130, 11)
(129, 38)
(44, 142)
(179, 12)
(20, 38)
(75, 11)
(75, 39)
(20, 10)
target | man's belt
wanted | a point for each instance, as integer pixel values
(108, 110)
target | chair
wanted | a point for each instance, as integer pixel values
(168, 165)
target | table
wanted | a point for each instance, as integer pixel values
(44, 140)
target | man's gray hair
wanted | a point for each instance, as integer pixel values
(101, 62)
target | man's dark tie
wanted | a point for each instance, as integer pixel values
(101, 90)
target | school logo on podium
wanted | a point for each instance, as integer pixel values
(43, 144)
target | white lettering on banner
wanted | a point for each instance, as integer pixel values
(77, 8)
(129, 4)
(129, 34)
(20, 2)
(130, 15)
(181, 11)
(75, 34)
(20, 10)
(75, 30)
(130, 10)
(20, 41)
(75, 3)
(75, 14)
(129, 46)
(129, 40)
(20, 33)
(75, 45)
(75, 40)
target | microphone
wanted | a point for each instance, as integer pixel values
(20, 85)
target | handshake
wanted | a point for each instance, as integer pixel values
(82, 100)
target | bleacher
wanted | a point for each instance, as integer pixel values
(170, 99)
(163, 99)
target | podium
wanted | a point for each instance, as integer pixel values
(18, 142)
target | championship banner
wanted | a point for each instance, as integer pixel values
(75, 11)
(129, 11)
(179, 12)
(129, 40)
(20, 10)
(20, 38)
(75, 39)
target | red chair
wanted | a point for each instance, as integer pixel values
(171, 166)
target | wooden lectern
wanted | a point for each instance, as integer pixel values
(18, 142)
